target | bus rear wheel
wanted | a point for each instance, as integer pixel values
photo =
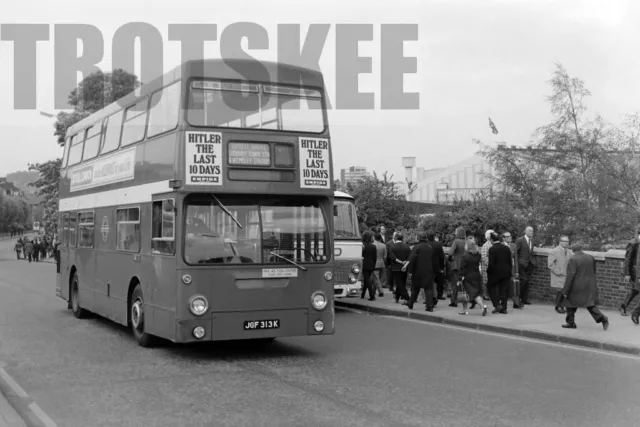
(136, 313)
(78, 312)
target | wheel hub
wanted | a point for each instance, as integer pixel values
(137, 314)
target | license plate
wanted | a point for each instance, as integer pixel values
(252, 325)
(279, 272)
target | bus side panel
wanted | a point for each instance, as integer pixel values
(85, 288)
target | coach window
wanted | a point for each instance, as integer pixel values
(65, 157)
(135, 121)
(92, 142)
(163, 227)
(73, 231)
(65, 230)
(164, 109)
(128, 229)
(75, 152)
(86, 227)
(111, 140)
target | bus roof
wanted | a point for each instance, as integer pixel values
(342, 195)
(227, 69)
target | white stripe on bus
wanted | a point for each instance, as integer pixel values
(122, 196)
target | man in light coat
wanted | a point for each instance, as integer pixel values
(557, 262)
(484, 253)
(581, 289)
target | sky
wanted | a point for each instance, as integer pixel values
(475, 59)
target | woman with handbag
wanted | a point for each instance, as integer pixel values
(471, 282)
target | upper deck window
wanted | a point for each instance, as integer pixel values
(75, 152)
(164, 110)
(92, 142)
(241, 105)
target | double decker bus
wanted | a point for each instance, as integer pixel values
(348, 246)
(198, 208)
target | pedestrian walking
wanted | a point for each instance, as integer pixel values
(381, 255)
(28, 250)
(499, 273)
(514, 285)
(526, 262)
(557, 262)
(580, 288)
(440, 279)
(472, 278)
(18, 248)
(484, 251)
(399, 255)
(630, 272)
(388, 271)
(421, 268)
(456, 253)
(369, 255)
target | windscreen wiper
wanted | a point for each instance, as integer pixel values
(289, 261)
(226, 210)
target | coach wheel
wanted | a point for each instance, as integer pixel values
(78, 312)
(137, 319)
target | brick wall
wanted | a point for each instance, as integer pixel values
(612, 288)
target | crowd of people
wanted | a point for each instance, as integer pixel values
(499, 271)
(36, 248)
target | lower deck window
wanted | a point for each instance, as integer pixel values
(128, 229)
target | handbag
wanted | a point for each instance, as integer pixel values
(462, 296)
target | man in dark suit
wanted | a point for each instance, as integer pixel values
(422, 270)
(438, 266)
(526, 262)
(399, 254)
(499, 270)
(387, 271)
(581, 289)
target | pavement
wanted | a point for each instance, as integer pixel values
(536, 321)
(375, 371)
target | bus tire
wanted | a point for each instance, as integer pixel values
(78, 312)
(136, 313)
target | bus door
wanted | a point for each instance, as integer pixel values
(161, 269)
(62, 259)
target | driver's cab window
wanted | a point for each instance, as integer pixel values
(212, 236)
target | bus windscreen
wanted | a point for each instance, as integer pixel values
(270, 231)
(345, 220)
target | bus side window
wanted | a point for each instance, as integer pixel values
(128, 229)
(65, 230)
(86, 228)
(73, 231)
(163, 226)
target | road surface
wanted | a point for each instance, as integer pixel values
(375, 371)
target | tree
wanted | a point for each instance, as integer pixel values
(47, 188)
(572, 179)
(379, 202)
(93, 93)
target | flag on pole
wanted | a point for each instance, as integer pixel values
(493, 127)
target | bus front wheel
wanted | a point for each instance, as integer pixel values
(78, 312)
(137, 319)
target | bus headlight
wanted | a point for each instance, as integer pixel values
(318, 326)
(353, 278)
(319, 300)
(328, 276)
(355, 268)
(198, 305)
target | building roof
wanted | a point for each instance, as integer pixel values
(8, 185)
